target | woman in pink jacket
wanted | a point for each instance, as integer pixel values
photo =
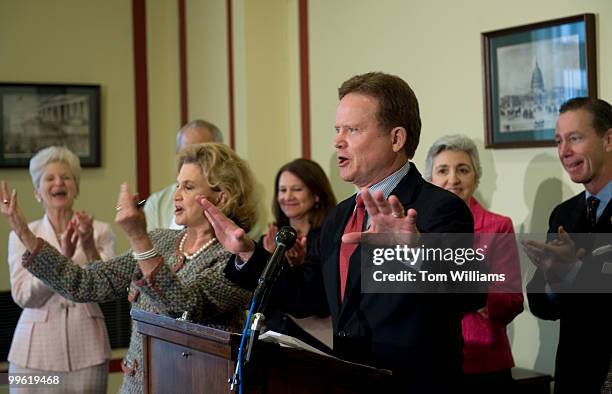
(54, 335)
(453, 164)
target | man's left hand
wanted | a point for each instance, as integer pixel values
(386, 217)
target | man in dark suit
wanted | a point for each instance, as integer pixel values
(416, 335)
(573, 281)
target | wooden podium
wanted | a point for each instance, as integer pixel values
(184, 357)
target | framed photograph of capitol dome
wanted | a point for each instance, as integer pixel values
(529, 71)
(34, 116)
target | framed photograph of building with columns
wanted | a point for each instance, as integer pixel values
(529, 71)
(35, 116)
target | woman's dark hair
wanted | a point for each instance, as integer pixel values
(316, 181)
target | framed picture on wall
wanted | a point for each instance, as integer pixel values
(35, 116)
(529, 71)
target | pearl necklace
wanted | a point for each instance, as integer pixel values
(197, 252)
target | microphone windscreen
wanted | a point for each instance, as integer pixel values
(286, 236)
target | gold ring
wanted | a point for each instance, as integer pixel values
(397, 215)
(5, 201)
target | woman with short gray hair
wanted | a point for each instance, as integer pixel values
(55, 336)
(453, 164)
(455, 143)
(54, 154)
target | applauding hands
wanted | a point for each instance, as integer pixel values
(295, 256)
(556, 257)
(80, 228)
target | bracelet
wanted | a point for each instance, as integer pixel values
(149, 254)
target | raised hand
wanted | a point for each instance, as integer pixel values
(14, 216)
(558, 255)
(130, 218)
(84, 224)
(296, 255)
(386, 217)
(84, 228)
(232, 237)
(69, 240)
(269, 238)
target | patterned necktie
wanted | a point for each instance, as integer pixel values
(355, 224)
(592, 204)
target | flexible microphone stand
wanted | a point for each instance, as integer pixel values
(285, 238)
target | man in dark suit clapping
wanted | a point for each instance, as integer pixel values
(573, 282)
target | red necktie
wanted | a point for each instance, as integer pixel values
(355, 224)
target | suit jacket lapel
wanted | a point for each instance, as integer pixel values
(48, 233)
(409, 187)
(580, 215)
(575, 219)
(353, 279)
(331, 274)
(604, 224)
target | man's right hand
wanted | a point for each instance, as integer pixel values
(232, 237)
(556, 257)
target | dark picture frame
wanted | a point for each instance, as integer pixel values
(35, 116)
(529, 71)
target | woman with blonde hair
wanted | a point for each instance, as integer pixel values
(166, 271)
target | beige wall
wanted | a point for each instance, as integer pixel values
(266, 84)
(163, 85)
(265, 89)
(207, 62)
(75, 41)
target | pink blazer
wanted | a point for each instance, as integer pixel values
(53, 333)
(486, 347)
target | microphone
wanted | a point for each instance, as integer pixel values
(285, 238)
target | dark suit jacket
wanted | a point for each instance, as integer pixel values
(417, 335)
(585, 338)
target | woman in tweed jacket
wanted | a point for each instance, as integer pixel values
(166, 271)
